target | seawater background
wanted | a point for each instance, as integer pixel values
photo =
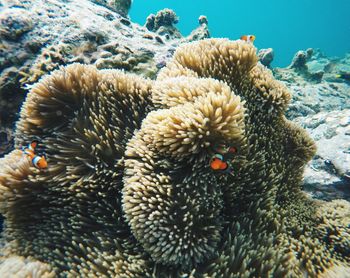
(285, 25)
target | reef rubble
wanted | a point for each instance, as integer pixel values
(321, 105)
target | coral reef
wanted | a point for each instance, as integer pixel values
(328, 174)
(312, 65)
(200, 33)
(163, 23)
(38, 36)
(266, 56)
(299, 61)
(310, 99)
(322, 108)
(120, 6)
(14, 23)
(300, 65)
(129, 192)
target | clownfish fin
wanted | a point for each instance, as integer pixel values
(39, 162)
(223, 165)
(215, 163)
(35, 160)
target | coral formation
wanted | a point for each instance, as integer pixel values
(201, 32)
(163, 23)
(328, 174)
(299, 64)
(120, 6)
(322, 107)
(299, 61)
(129, 192)
(38, 36)
(14, 23)
(202, 20)
(266, 56)
(50, 59)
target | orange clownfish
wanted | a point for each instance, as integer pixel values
(217, 163)
(37, 161)
(248, 38)
(30, 149)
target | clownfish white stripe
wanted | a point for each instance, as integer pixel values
(35, 160)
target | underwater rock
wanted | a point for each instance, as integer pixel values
(327, 176)
(313, 66)
(318, 65)
(266, 56)
(309, 99)
(201, 32)
(163, 24)
(120, 6)
(129, 183)
(299, 61)
(318, 88)
(202, 20)
(14, 23)
(300, 64)
(39, 36)
(323, 109)
(309, 53)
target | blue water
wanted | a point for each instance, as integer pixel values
(286, 26)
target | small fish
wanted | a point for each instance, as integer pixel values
(248, 38)
(31, 147)
(345, 76)
(37, 161)
(217, 162)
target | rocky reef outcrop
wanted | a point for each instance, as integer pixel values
(266, 56)
(328, 174)
(163, 23)
(120, 6)
(38, 36)
(129, 183)
(321, 105)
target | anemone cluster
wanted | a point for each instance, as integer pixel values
(129, 191)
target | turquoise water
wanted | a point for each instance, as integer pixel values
(286, 26)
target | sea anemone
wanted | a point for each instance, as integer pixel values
(129, 192)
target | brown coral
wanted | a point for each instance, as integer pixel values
(129, 192)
